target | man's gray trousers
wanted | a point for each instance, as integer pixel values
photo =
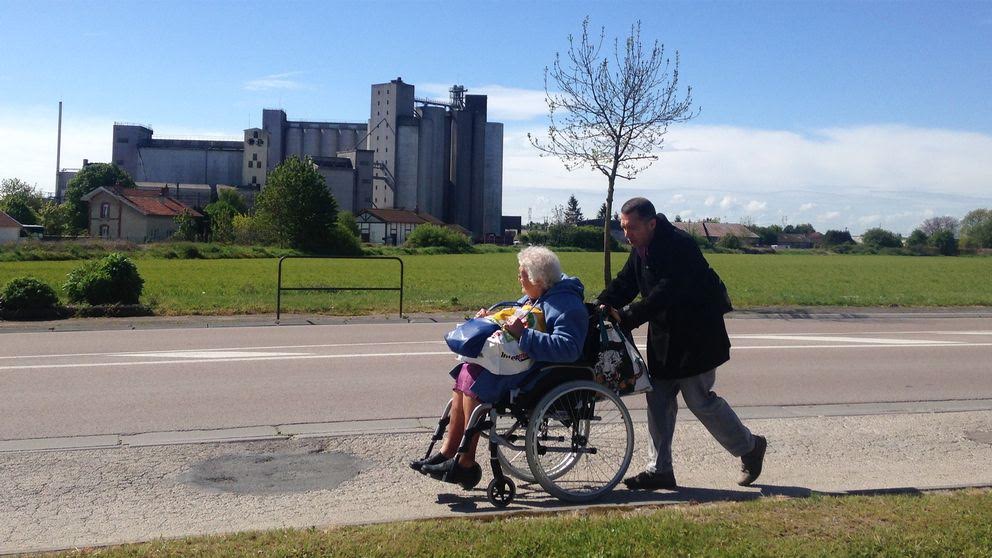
(711, 410)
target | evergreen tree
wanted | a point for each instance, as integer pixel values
(573, 214)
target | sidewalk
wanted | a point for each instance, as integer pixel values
(347, 473)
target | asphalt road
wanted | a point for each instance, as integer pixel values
(58, 384)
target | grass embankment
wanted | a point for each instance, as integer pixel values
(468, 281)
(949, 524)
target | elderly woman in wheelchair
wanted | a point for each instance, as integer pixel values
(556, 404)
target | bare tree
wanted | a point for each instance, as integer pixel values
(610, 113)
(937, 224)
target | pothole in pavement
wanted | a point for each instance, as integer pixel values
(273, 473)
(980, 436)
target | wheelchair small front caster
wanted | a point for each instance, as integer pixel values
(501, 493)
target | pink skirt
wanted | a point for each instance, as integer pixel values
(466, 377)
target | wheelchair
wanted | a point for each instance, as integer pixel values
(561, 429)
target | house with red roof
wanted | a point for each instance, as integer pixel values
(133, 214)
(714, 232)
(10, 229)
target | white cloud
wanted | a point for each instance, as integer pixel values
(885, 169)
(504, 103)
(274, 81)
(677, 198)
(755, 205)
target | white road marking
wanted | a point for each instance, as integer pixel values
(247, 359)
(293, 356)
(212, 355)
(322, 345)
(828, 338)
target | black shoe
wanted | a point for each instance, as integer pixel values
(652, 481)
(751, 462)
(432, 460)
(451, 471)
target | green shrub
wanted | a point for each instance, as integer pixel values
(730, 242)
(563, 235)
(27, 293)
(881, 238)
(436, 235)
(111, 280)
(535, 237)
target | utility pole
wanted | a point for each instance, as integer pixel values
(58, 157)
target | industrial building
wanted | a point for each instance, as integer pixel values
(440, 158)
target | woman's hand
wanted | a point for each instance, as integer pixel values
(482, 313)
(515, 326)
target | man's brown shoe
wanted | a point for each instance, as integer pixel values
(752, 461)
(651, 481)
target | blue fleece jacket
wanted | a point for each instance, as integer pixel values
(567, 320)
(567, 324)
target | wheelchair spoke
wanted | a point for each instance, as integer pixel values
(584, 442)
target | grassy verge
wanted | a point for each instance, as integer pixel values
(942, 524)
(468, 281)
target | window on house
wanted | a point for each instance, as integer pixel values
(104, 210)
(254, 180)
(104, 231)
(254, 135)
(254, 156)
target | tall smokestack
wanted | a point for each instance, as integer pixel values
(58, 157)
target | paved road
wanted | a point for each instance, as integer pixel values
(59, 384)
(167, 432)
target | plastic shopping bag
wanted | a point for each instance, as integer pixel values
(501, 353)
(470, 336)
(619, 365)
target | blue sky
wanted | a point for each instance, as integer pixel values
(843, 114)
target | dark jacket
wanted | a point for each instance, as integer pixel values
(682, 300)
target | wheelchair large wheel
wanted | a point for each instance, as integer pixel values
(513, 461)
(579, 441)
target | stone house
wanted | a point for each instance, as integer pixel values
(133, 214)
(392, 226)
(10, 229)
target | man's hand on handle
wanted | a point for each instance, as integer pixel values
(612, 312)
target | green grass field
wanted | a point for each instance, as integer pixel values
(468, 281)
(949, 524)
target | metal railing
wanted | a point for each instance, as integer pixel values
(280, 288)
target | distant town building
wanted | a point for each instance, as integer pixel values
(391, 226)
(10, 228)
(442, 158)
(133, 214)
(713, 232)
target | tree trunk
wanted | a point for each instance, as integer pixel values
(607, 268)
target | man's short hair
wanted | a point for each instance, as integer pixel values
(641, 207)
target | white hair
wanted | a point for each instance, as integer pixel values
(542, 265)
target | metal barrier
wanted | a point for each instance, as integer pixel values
(280, 288)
